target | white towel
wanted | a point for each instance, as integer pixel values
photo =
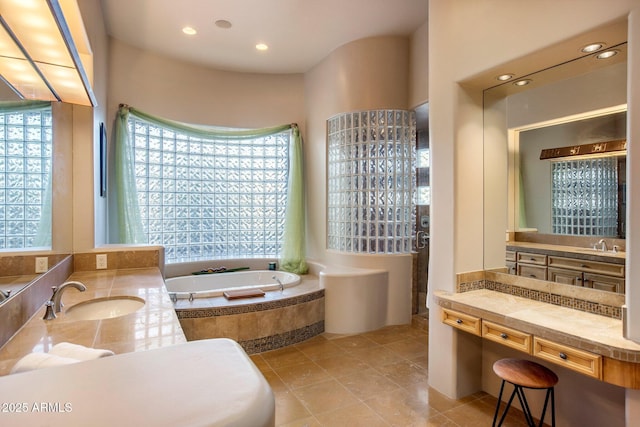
(78, 352)
(40, 360)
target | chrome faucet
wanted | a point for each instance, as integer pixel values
(279, 283)
(56, 298)
(603, 245)
(5, 295)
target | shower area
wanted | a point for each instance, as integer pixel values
(371, 210)
(423, 202)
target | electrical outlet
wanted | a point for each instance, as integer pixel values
(101, 261)
(42, 264)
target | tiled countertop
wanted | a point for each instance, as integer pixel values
(153, 326)
(586, 331)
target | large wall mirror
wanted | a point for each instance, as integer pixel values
(35, 189)
(555, 150)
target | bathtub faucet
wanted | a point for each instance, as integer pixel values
(279, 283)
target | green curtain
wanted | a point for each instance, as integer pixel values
(43, 235)
(130, 227)
(292, 258)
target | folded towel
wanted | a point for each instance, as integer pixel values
(78, 352)
(40, 360)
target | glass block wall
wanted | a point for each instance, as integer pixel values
(204, 199)
(25, 170)
(585, 196)
(371, 181)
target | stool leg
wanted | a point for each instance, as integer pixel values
(506, 408)
(544, 407)
(525, 406)
(495, 416)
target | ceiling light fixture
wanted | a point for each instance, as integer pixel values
(592, 47)
(522, 82)
(190, 31)
(607, 54)
(504, 77)
(262, 46)
(223, 23)
(60, 69)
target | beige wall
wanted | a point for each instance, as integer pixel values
(465, 39)
(419, 64)
(366, 74)
(195, 94)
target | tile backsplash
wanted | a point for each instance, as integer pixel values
(584, 299)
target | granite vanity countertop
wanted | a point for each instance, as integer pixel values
(586, 331)
(568, 251)
(153, 326)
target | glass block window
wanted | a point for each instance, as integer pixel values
(371, 176)
(585, 196)
(25, 170)
(210, 198)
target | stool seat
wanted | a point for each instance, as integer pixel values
(525, 373)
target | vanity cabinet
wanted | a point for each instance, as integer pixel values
(603, 276)
(581, 361)
(511, 262)
(589, 274)
(532, 265)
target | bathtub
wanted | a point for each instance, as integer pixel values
(213, 285)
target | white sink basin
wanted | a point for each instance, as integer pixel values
(104, 308)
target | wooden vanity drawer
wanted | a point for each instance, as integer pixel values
(594, 267)
(462, 321)
(528, 258)
(532, 271)
(507, 336)
(578, 360)
(510, 256)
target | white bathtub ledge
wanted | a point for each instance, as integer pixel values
(200, 383)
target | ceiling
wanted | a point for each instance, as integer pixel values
(300, 33)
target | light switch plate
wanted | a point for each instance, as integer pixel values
(42, 264)
(101, 261)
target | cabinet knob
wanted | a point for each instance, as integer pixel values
(585, 266)
(562, 356)
(458, 321)
(504, 336)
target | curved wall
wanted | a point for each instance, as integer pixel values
(366, 74)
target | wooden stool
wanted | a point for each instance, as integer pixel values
(525, 374)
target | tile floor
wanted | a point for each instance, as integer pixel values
(373, 379)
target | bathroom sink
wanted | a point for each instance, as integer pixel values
(598, 251)
(104, 308)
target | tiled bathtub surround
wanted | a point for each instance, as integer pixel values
(257, 324)
(584, 299)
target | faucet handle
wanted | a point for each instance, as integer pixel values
(49, 314)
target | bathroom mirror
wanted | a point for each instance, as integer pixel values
(21, 263)
(554, 100)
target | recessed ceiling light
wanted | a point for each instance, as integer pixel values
(504, 77)
(190, 31)
(223, 23)
(590, 48)
(262, 46)
(522, 82)
(607, 54)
